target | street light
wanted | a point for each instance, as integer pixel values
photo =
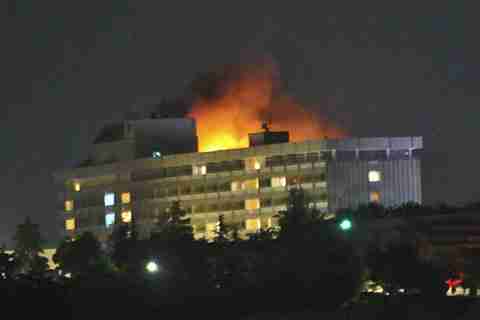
(152, 267)
(346, 225)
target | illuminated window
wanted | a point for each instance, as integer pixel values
(279, 182)
(252, 204)
(199, 170)
(126, 197)
(69, 205)
(250, 184)
(268, 223)
(156, 155)
(109, 199)
(76, 186)
(109, 219)
(70, 224)
(252, 225)
(236, 185)
(211, 230)
(374, 176)
(374, 196)
(127, 216)
(253, 164)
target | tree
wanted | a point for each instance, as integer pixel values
(223, 231)
(298, 215)
(7, 264)
(175, 226)
(28, 244)
(81, 256)
(126, 250)
(312, 273)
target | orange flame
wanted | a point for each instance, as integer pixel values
(241, 101)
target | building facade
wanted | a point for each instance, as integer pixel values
(247, 186)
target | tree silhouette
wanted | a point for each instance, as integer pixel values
(174, 226)
(28, 244)
(81, 256)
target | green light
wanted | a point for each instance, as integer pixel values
(346, 225)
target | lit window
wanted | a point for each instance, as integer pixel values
(126, 197)
(374, 196)
(69, 205)
(109, 219)
(252, 225)
(279, 182)
(374, 176)
(268, 223)
(156, 155)
(199, 170)
(252, 204)
(76, 186)
(252, 164)
(70, 224)
(211, 230)
(109, 199)
(127, 216)
(250, 184)
(236, 185)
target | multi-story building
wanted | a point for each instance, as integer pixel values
(139, 168)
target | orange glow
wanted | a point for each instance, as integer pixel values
(246, 98)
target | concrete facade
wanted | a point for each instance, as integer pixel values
(247, 186)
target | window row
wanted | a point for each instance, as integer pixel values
(249, 225)
(110, 198)
(109, 219)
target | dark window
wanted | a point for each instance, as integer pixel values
(238, 205)
(224, 186)
(211, 187)
(373, 155)
(313, 157)
(211, 207)
(266, 202)
(326, 155)
(399, 154)
(274, 161)
(199, 188)
(343, 155)
(213, 167)
(417, 153)
(265, 182)
(279, 201)
(171, 172)
(185, 171)
(148, 174)
(301, 158)
(224, 206)
(185, 189)
(238, 165)
(291, 159)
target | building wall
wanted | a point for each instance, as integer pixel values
(248, 186)
(349, 185)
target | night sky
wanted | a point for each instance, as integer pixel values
(380, 69)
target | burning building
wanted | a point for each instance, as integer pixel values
(138, 168)
(207, 153)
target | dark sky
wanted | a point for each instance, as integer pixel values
(381, 68)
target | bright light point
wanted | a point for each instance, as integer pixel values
(68, 275)
(152, 267)
(346, 225)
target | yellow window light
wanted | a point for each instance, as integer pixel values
(70, 224)
(126, 198)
